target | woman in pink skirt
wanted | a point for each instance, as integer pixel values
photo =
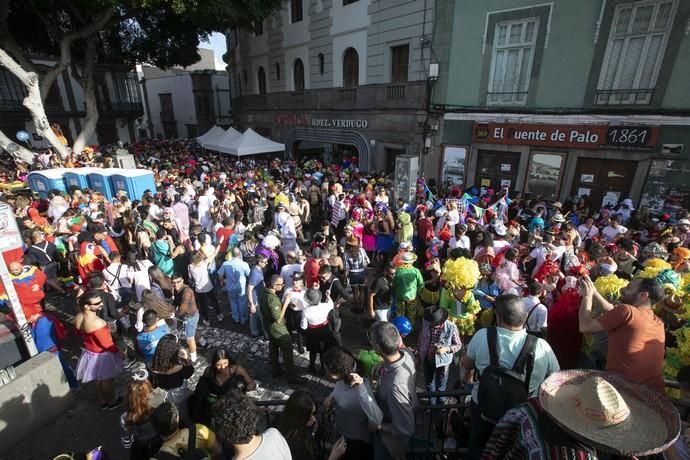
(101, 360)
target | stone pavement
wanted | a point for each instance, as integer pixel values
(86, 426)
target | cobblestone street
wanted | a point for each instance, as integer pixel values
(85, 425)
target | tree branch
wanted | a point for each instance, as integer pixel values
(66, 48)
(33, 101)
(87, 82)
(22, 153)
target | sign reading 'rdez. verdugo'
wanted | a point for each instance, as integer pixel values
(570, 136)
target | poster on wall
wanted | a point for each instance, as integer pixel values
(666, 189)
(610, 199)
(454, 165)
(406, 173)
(583, 191)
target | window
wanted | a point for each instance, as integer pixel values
(511, 63)
(321, 63)
(399, 66)
(12, 91)
(244, 76)
(349, 2)
(544, 174)
(298, 75)
(639, 33)
(166, 102)
(277, 71)
(350, 68)
(258, 28)
(295, 11)
(261, 77)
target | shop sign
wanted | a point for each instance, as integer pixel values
(336, 123)
(291, 119)
(567, 136)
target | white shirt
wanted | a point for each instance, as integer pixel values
(296, 298)
(287, 271)
(537, 320)
(122, 280)
(199, 277)
(610, 233)
(314, 315)
(585, 232)
(140, 278)
(463, 242)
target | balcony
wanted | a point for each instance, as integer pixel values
(624, 97)
(403, 96)
(127, 108)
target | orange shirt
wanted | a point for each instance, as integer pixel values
(636, 344)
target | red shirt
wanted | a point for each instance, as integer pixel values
(311, 272)
(226, 233)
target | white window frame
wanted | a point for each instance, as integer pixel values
(496, 96)
(636, 95)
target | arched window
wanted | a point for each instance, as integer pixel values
(298, 75)
(350, 68)
(278, 71)
(261, 76)
(321, 63)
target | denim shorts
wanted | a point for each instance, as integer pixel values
(190, 323)
(357, 278)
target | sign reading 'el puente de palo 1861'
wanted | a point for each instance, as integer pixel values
(568, 136)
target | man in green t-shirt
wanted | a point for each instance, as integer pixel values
(406, 283)
(279, 340)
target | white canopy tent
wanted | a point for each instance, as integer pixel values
(252, 143)
(223, 142)
(210, 134)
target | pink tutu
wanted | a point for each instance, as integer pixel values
(98, 366)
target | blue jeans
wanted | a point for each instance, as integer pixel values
(238, 306)
(190, 323)
(435, 378)
(255, 323)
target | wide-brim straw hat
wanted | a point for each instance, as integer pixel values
(609, 412)
(408, 258)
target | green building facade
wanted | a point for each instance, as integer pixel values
(564, 98)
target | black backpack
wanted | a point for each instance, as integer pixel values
(501, 389)
(191, 453)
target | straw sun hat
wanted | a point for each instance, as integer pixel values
(610, 413)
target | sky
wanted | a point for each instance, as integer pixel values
(217, 44)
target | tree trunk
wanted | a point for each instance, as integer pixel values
(89, 86)
(22, 153)
(33, 102)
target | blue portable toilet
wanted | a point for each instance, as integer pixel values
(78, 177)
(100, 181)
(134, 182)
(46, 180)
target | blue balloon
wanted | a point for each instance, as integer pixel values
(23, 136)
(403, 325)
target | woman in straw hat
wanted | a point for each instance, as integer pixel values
(581, 414)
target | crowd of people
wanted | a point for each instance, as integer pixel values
(563, 319)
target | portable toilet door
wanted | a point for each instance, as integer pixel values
(133, 182)
(46, 180)
(100, 182)
(78, 177)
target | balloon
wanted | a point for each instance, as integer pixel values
(403, 325)
(23, 136)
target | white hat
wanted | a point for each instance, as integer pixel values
(500, 230)
(628, 202)
(684, 222)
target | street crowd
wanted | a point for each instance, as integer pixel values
(564, 319)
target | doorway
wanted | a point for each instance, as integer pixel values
(497, 170)
(391, 154)
(605, 181)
